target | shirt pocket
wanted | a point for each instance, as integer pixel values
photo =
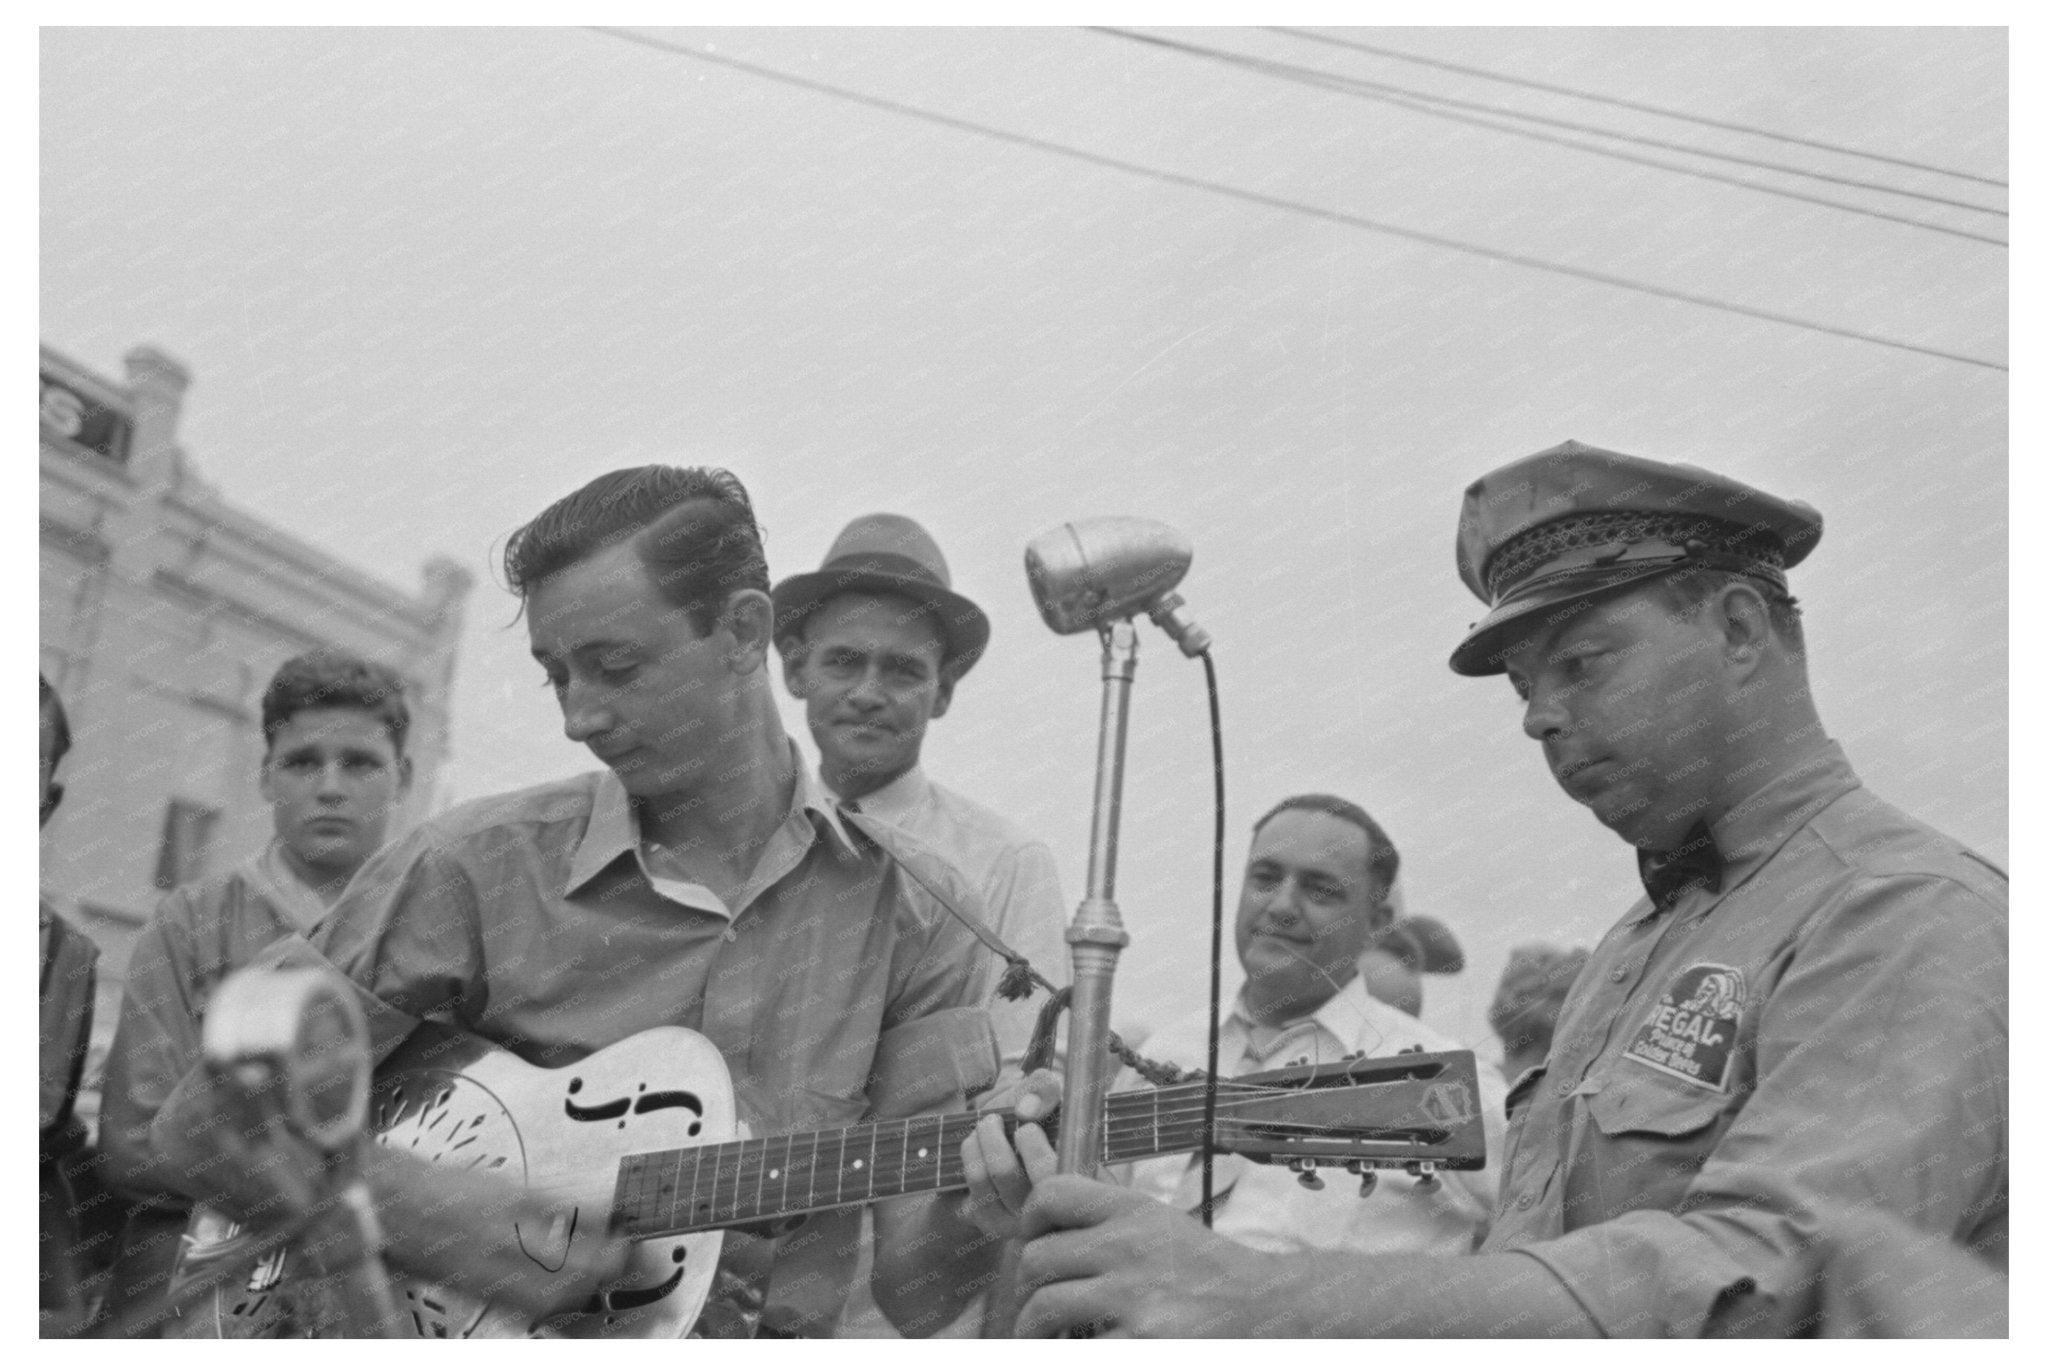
(1645, 1144)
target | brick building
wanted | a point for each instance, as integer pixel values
(164, 611)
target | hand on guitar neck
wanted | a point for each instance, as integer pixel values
(999, 1176)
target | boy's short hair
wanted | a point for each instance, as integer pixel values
(326, 679)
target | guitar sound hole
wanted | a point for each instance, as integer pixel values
(596, 1113)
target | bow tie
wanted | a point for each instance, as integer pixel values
(1668, 875)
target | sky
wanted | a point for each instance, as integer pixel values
(430, 280)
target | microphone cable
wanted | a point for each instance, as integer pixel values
(1215, 953)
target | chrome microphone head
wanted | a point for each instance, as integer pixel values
(298, 1035)
(1086, 574)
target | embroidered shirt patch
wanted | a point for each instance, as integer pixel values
(1692, 1031)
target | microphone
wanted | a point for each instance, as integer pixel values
(298, 1038)
(1087, 574)
(294, 1048)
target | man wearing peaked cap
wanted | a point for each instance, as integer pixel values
(1802, 1021)
(1573, 522)
(873, 644)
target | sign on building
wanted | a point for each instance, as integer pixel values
(83, 420)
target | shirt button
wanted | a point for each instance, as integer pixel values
(1526, 1201)
(1619, 975)
(1564, 1088)
(731, 934)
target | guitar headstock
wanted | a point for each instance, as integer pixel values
(1416, 1110)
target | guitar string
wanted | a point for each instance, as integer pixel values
(735, 1164)
(745, 1154)
(764, 1158)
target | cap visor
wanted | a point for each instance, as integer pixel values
(1484, 652)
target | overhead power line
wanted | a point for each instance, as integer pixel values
(1272, 201)
(1312, 36)
(1402, 97)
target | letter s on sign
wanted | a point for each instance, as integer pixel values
(63, 410)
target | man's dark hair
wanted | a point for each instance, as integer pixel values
(693, 529)
(327, 679)
(50, 710)
(1684, 591)
(1384, 859)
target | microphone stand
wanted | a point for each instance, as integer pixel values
(1097, 936)
(1100, 573)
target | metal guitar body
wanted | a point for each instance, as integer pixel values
(453, 1100)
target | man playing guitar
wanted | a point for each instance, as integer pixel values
(702, 880)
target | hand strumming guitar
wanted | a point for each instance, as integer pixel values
(475, 1232)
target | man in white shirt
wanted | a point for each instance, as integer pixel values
(1315, 892)
(873, 644)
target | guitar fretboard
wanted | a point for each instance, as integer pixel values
(693, 1189)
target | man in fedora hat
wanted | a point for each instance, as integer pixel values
(873, 644)
(1803, 1019)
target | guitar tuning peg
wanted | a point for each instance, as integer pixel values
(1425, 1175)
(1304, 1169)
(1368, 1181)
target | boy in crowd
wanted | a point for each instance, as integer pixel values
(334, 766)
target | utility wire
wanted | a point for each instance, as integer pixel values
(1312, 36)
(1400, 95)
(1272, 201)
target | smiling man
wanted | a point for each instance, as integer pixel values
(1314, 895)
(1800, 1027)
(873, 644)
(334, 765)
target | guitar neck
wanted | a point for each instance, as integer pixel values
(695, 1189)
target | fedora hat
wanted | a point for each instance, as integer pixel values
(884, 552)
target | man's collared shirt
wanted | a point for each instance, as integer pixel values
(1266, 1207)
(1824, 1034)
(1015, 875)
(533, 920)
